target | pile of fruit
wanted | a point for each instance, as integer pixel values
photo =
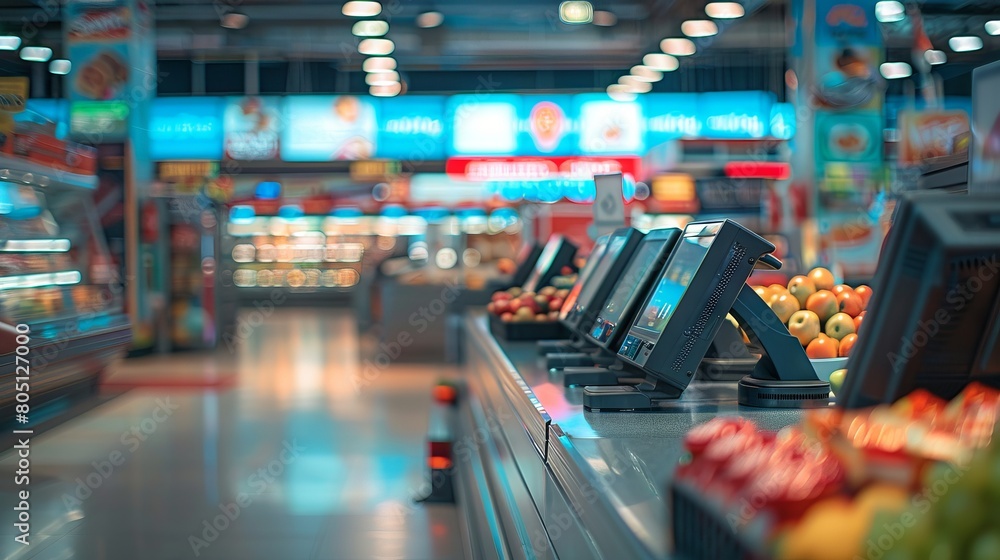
(916, 479)
(824, 316)
(516, 305)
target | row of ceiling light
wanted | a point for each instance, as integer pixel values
(654, 65)
(892, 11)
(381, 73)
(58, 66)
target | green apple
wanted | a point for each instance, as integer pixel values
(837, 380)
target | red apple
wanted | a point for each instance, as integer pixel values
(822, 278)
(502, 306)
(824, 304)
(507, 317)
(822, 347)
(865, 292)
(846, 344)
(858, 320)
(850, 303)
(501, 295)
(556, 303)
(841, 288)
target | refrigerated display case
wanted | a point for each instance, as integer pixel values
(57, 278)
(308, 257)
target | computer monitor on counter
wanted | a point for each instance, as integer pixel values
(934, 321)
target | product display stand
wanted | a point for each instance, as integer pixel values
(787, 382)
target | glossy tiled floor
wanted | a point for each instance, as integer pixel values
(300, 451)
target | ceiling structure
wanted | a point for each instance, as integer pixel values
(307, 45)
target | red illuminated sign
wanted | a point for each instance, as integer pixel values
(537, 169)
(776, 171)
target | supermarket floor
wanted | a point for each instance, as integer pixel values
(270, 450)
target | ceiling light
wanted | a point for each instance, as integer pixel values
(60, 66)
(993, 27)
(661, 62)
(382, 78)
(646, 74)
(635, 85)
(427, 20)
(605, 18)
(390, 90)
(724, 10)
(965, 44)
(235, 20)
(376, 46)
(619, 92)
(378, 63)
(576, 12)
(370, 28)
(699, 28)
(895, 70)
(362, 9)
(36, 54)
(889, 11)
(9, 43)
(935, 57)
(677, 47)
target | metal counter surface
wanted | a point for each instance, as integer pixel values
(613, 468)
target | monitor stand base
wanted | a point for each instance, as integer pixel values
(771, 393)
(610, 375)
(783, 376)
(573, 344)
(646, 396)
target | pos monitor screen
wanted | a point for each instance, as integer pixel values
(621, 246)
(934, 321)
(585, 273)
(558, 252)
(616, 310)
(703, 276)
(526, 259)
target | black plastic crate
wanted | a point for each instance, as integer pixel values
(527, 330)
(701, 530)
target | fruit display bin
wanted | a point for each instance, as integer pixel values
(526, 330)
(702, 530)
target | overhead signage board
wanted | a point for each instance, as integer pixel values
(186, 128)
(329, 128)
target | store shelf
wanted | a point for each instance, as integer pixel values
(606, 473)
(43, 176)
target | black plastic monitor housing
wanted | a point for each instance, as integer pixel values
(605, 277)
(527, 259)
(934, 319)
(558, 252)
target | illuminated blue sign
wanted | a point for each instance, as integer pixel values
(547, 126)
(608, 126)
(186, 128)
(736, 115)
(412, 129)
(783, 121)
(483, 125)
(672, 116)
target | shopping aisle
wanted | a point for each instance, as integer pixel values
(284, 446)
